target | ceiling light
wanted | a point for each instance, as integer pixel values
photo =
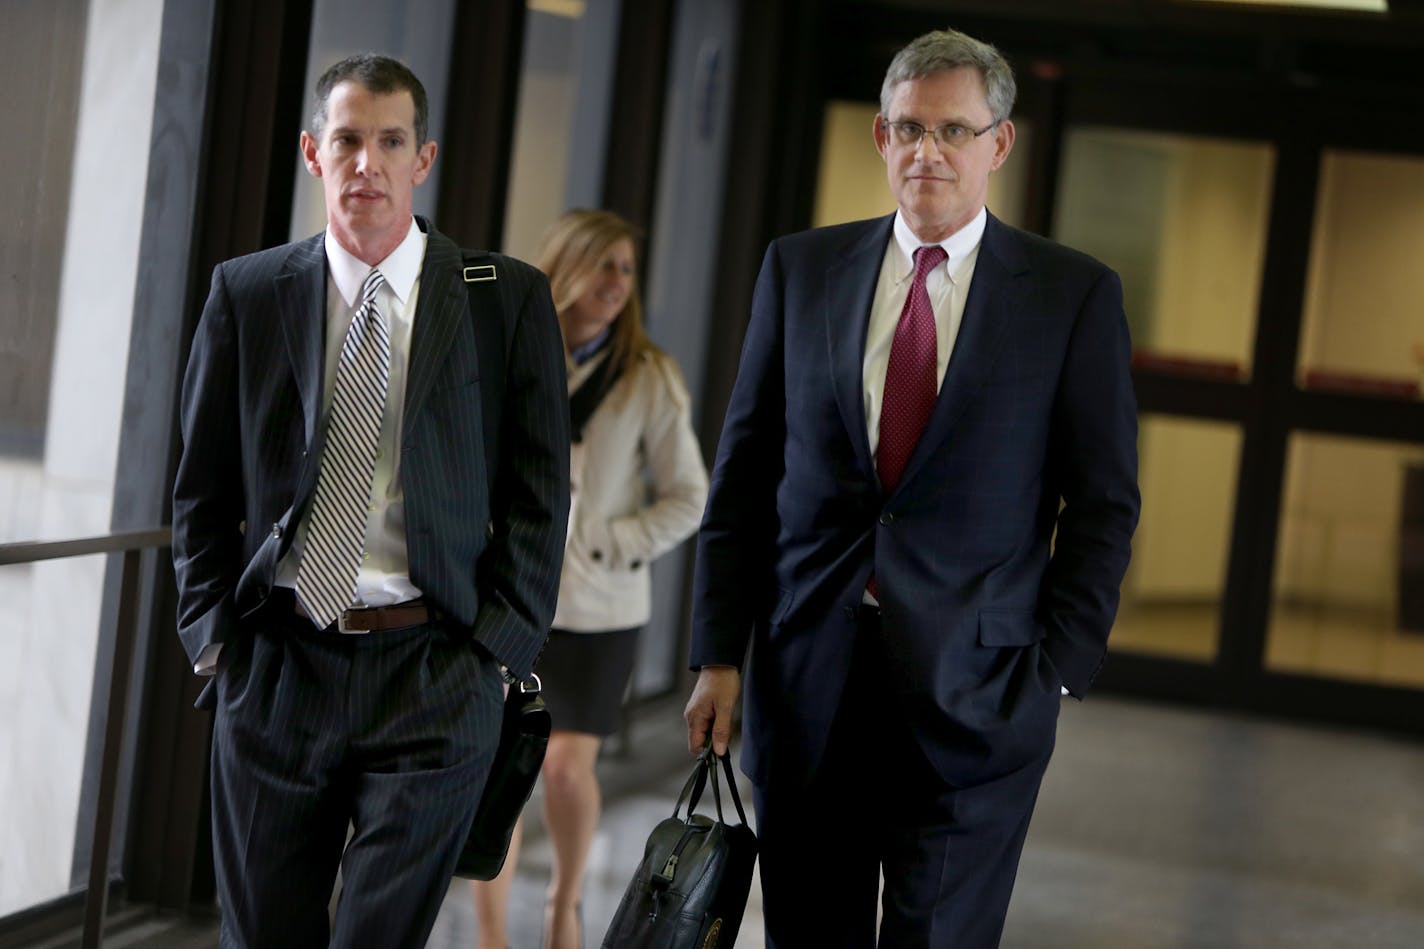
(1359, 6)
(573, 9)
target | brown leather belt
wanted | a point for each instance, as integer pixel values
(378, 619)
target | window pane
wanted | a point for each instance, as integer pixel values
(46, 669)
(851, 183)
(77, 155)
(1171, 597)
(1349, 582)
(561, 126)
(40, 51)
(1364, 326)
(1182, 219)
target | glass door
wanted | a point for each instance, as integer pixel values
(1347, 598)
(1183, 220)
(1272, 290)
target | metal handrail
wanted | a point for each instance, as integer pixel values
(32, 551)
(131, 544)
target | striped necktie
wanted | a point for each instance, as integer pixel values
(336, 532)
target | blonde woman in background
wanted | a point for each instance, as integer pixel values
(631, 427)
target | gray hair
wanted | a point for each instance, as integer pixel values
(950, 49)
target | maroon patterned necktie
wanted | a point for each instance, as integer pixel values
(911, 383)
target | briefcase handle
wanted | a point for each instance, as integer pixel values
(692, 790)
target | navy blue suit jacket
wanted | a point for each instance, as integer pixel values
(985, 613)
(484, 540)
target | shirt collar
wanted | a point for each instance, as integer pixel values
(400, 268)
(586, 351)
(957, 245)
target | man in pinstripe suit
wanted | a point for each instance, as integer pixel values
(384, 720)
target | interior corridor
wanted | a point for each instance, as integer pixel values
(1157, 827)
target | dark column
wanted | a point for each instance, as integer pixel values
(481, 104)
(630, 176)
(776, 109)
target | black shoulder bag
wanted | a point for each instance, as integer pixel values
(523, 739)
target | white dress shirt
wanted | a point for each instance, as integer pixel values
(948, 287)
(384, 575)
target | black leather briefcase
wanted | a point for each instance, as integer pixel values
(691, 889)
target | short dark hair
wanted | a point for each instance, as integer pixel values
(380, 74)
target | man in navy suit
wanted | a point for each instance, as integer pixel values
(357, 681)
(919, 519)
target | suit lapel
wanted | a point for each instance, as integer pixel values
(441, 305)
(850, 292)
(301, 292)
(995, 304)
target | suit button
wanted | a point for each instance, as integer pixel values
(596, 555)
(277, 531)
(887, 518)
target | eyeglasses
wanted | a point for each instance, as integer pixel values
(949, 135)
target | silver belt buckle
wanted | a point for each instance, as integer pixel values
(341, 624)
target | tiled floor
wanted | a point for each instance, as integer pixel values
(1157, 827)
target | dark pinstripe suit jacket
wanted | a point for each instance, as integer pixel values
(981, 623)
(485, 541)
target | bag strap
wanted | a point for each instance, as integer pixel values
(491, 345)
(692, 790)
(726, 761)
(716, 791)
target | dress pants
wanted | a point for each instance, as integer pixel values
(388, 733)
(875, 805)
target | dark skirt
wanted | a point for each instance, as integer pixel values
(584, 677)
